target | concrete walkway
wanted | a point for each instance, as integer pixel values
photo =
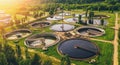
(115, 42)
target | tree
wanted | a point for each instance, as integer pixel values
(102, 21)
(40, 14)
(36, 60)
(3, 60)
(51, 12)
(112, 9)
(86, 13)
(10, 55)
(80, 17)
(25, 62)
(65, 60)
(91, 15)
(98, 6)
(26, 17)
(1, 49)
(47, 62)
(2, 31)
(27, 55)
(18, 52)
(73, 15)
(112, 2)
(68, 60)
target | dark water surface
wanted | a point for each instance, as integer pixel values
(78, 48)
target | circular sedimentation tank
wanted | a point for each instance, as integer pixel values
(18, 34)
(55, 18)
(78, 49)
(39, 24)
(82, 15)
(71, 20)
(62, 27)
(65, 14)
(42, 40)
(90, 31)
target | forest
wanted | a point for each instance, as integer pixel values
(80, 1)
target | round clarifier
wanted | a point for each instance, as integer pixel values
(64, 14)
(78, 49)
(71, 20)
(18, 34)
(90, 31)
(55, 18)
(42, 40)
(39, 24)
(62, 27)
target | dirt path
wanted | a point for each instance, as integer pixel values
(115, 42)
(101, 40)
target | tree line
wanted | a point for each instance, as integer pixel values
(14, 56)
(11, 56)
(79, 1)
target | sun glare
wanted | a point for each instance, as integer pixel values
(6, 2)
(10, 4)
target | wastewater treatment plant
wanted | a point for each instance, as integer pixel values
(59, 32)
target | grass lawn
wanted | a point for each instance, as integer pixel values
(109, 34)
